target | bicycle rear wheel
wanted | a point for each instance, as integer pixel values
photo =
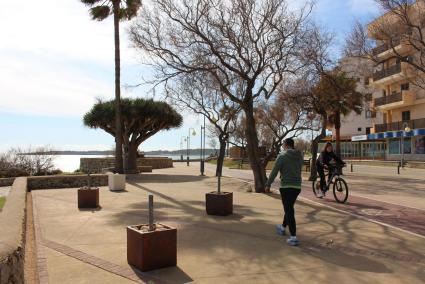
(340, 190)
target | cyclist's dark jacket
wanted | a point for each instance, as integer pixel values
(326, 157)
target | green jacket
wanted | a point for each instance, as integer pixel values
(289, 164)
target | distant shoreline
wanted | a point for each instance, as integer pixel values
(111, 153)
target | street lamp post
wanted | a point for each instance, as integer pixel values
(188, 143)
(406, 129)
(203, 148)
(182, 140)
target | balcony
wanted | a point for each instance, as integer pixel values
(385, 47)
(397, 100)
(400, 125)
(393, 70)
(388, 99)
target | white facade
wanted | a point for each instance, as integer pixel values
(359, 124)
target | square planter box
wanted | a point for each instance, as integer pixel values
(88, 198)
(220, 204)
(116, 182)
(151, 250)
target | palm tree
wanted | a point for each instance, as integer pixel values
(122, 10)
(338, 96)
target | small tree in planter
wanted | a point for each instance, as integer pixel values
(153, 245)
(88, 197)
(218, 202)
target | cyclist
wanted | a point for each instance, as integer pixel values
(324, 162)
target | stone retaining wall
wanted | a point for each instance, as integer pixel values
(12, 243)
(6, 181)
(68, 181)
(97, 164)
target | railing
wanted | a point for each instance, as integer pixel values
(395, 69)
(400, 125)
(384, 47)
(388, 99)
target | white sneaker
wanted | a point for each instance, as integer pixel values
(280, 230)
(292, 241)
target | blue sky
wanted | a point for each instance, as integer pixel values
(56, 62)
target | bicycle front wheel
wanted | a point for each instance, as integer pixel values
(316, 187)
(340, 190)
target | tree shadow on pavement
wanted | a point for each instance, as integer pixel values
(247, 235)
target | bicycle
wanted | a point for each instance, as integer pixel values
(340, 187)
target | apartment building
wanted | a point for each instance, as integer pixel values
(399, 99)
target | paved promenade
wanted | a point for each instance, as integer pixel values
(90, 246)
(377, 195)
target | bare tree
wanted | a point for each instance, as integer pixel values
(279, 120)
(402, 24)
(202, 96)
(254, 43)
(29, 161)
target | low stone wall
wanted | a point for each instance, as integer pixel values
(6, 181)
(68, 181)
(12, 243)
(95, 165)
(408, 157)
(416, 165)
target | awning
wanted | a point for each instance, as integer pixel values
(418, 132)
(396, 134)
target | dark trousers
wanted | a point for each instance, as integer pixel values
(289, 196)
(321, 172)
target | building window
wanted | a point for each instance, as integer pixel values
(405, 87)
(420, 145)
(384, 93)
(407, 146)
(359, 129)
(368, 114)
(405, 115)
(394, 147)
(368, 130)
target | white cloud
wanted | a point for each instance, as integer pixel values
(56, 60)
(35, 86)
(59, 27)
(363, 6)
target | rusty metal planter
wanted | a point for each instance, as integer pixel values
(88, 198)
(150, 250)
(220, 204)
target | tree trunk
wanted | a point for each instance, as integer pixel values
(338, 133)
(118, 125)
(131, 160)
(220, 158)
(257, 167)
(314, 149)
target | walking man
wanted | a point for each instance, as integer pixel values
(289, 164)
